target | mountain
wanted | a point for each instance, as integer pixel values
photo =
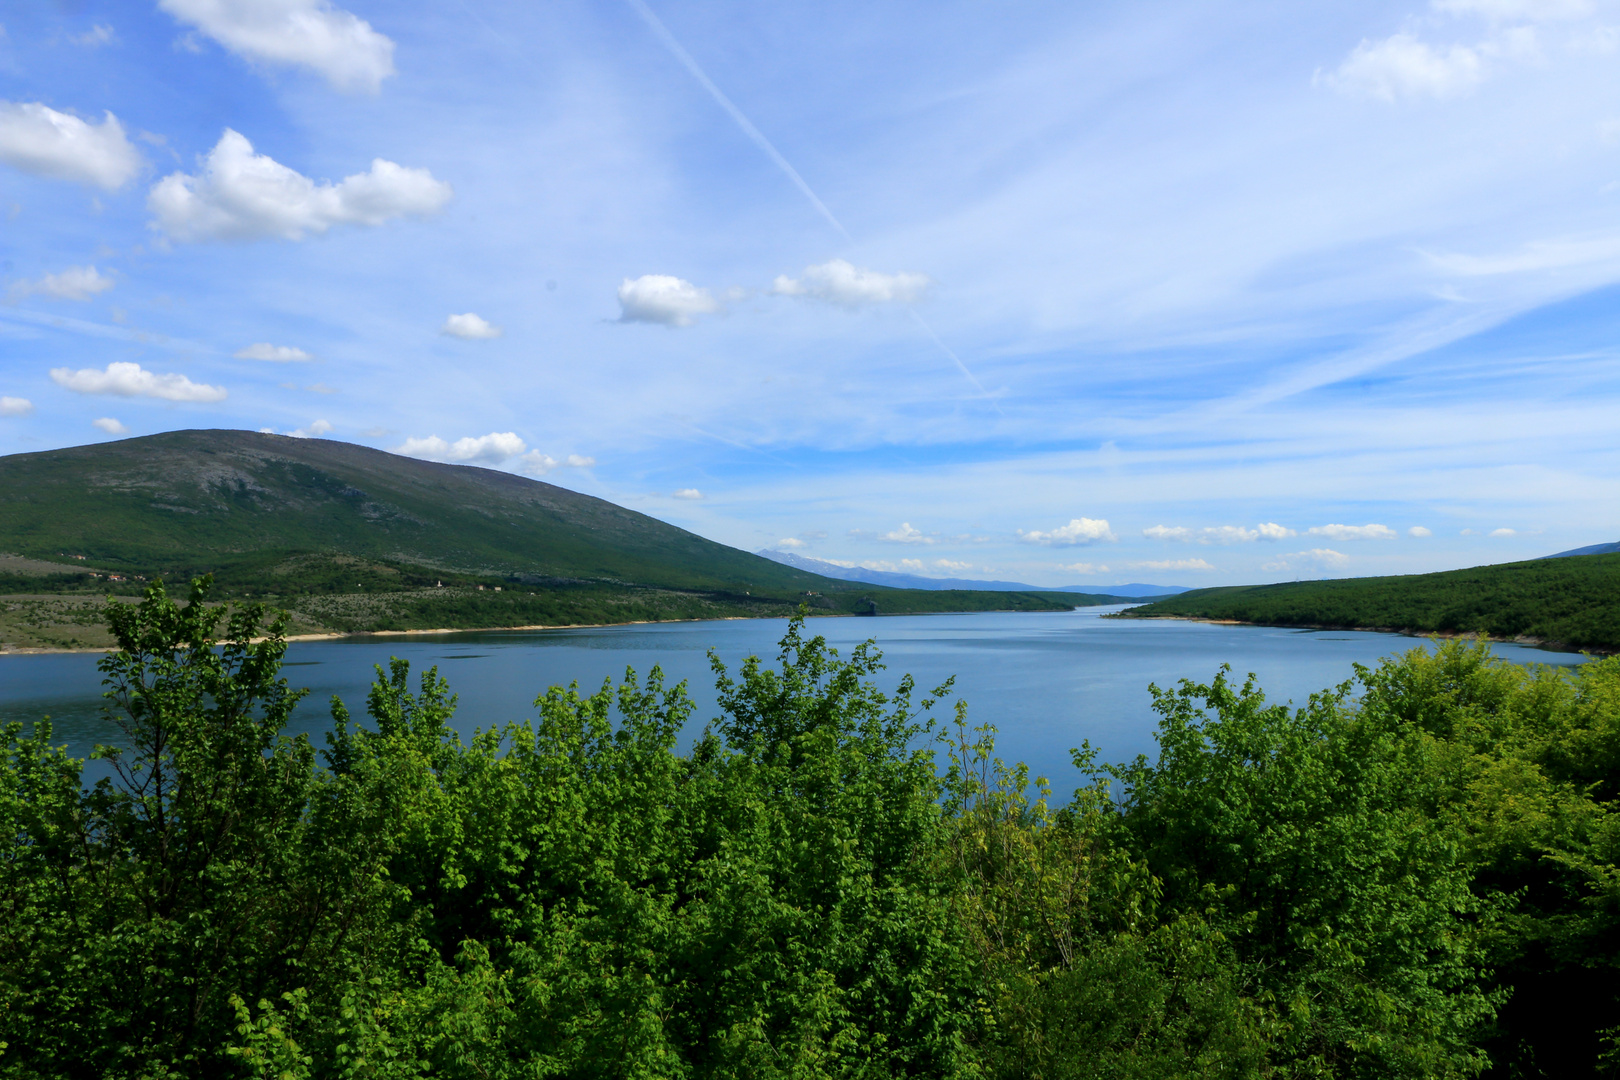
(1592, 549)
(1569, 602)
(890, 579)
(346, 539)
(196, 500)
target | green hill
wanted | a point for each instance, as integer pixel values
(350, 538)
(1570, 601)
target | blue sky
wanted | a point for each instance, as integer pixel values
(1050, 292)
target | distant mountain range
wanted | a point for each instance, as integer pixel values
(1592, 549)
(894, 580)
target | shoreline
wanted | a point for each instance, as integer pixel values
(1447, 635)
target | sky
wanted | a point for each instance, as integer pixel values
(1067, 294)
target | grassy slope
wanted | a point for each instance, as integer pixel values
(351, 538)
(1573, 601)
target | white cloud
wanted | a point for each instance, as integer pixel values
(840, 282)
(536, 464)
(905, 534)
(311, 33)
(1315, 556)
(98, 35)
(689, 493)
(125, 379)
(469, 327)
(952, 565)
(110, 426)
(1081, 530)
(15, 406)
(1402, 66)
(1504, 532)
(315, 430)
(491, 449)
(74, 283)
(1171, 564)
(1084, 568)
(579, 461)
(39, 140)
(240, 195)
(1218, 534)
(1418, 531)
(1353, 532)
(275, 354)
(792, 543)
(660, 298)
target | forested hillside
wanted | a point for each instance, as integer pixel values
(1568, 601)
(1414, 876)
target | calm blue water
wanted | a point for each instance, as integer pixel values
(1046, 680)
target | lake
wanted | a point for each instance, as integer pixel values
(1047, 680)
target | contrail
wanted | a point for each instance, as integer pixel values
(758, 138)
(736, 114)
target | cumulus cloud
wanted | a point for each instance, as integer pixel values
(307, 33)
(110, 426)
(1081, 530)
(952, 565)
(537, 464)
(275, 354)
(240, 195)
(1314, 557)
(1504, 532)
(1084, 568)
(1401, 66)
(315, 430)
(39, 140)
(1171, 564)
(689, 493)
(125, 379)
(661, 298)
(1218, 534)
(1353, 532)
(469, 327)
(1418, 531)
(905, 534)
(74, 283)
(15, 406)
(792, 543)
(491, 449)
(840, 282)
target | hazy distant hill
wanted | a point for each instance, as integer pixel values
(1571, 601)
(1592, 549)
(894, 580)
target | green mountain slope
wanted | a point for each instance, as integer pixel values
(349, 538)
(192, 500)
(1571, 601)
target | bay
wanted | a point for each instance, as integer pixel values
(1046, 680)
